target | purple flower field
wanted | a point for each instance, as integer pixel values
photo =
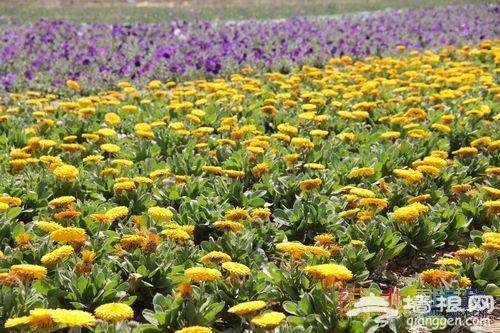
(47, 53)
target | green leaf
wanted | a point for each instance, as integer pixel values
(212, 310)
(14, 212)
(290, 307)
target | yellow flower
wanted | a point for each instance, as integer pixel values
(93, 158)
(465, 281)
(233, 173)
(112, 118)
(302, 142)
(435, 276)
(114, 311)
(316, 250)
(178, 234)
(349, 212)
(491, 191)
(268, 320)
(390, 135)
(41, 318)
(129, 241)
(11, 201)
(236, 269)
(116, 213)
(291, 158)
(142, 180)
(461, 188)
(159, 173)
(294, 248)
(195, 329)
(380, 203)
(237, 213)
(122, 162)
(124, 186)
(314, 166)
(465, 151)
(19, 321)
(110, 148)
(225, 224)
(361, 192)
(324, 238)
(73, 85)
(435, 161)
(68, 234)
(247, 307)
(467, 253)
(260, 168)
(319, 133)
(29, 272)
(66, 172)
(368, 171)
(261, 213)
(57, 254)
(420, 207)
(72, 318)
(406, 214)
(215, 256)
(160, 213)
(448, 262)
(419, 198)
(288, 129)
(429, 169)
(330, 273)
(198, 274)
(61, 201)
(309, 184)
(211, 169)
(357, 242)
(412, 176)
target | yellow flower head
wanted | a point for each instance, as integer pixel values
(324, 238)
(361, 192)
(236, 269)
(309, 184)
(29, 272)
(245, 308)
(294, 248)
(57, 254)
(412, 176)
(160, 213)
(195, 329)
(406, 214)
(448, 262)
(129, 241)
(69, 234)
(215, 256)
(73, 85)
(116, 213)
(198, 274)
(226, 224)
(467, 253)
(124, 186)
(236, 214)
(330, 273)
(261, 213)
(114, 312)
(268, 320)
(368, 171)
(66, 172)
(61, 201)
(72, 318)
(465, 151)
(110, 148)
(435, 276)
